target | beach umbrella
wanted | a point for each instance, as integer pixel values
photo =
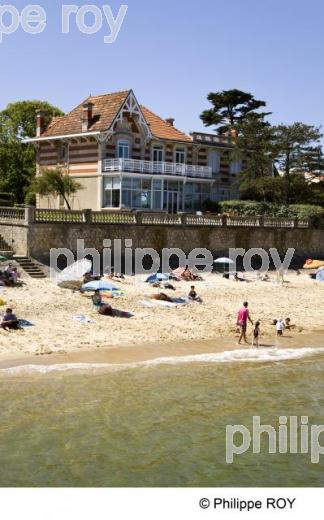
(320, 275)
(74, 271)
(224, 261)
(157, 277)
(99, 285)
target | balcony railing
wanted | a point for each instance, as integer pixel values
(160, 168)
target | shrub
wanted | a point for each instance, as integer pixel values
(30, 198)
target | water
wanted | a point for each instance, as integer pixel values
(157, 425)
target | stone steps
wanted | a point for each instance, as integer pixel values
(30, 267)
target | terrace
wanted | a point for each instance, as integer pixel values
(159, 168)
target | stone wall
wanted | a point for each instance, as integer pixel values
(37, 239)
(306, 242)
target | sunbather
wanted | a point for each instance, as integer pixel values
(161, 296)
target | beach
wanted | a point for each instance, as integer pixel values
(160, 330)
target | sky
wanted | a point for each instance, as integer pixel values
(172, 53)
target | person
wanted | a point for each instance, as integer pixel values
(256, 334)
(280, 327)
(10, 321)
(242, 317)
(161, 296)
(193, 296)
(14, 275)
(288, 324)
(97, 298)
(105, 309)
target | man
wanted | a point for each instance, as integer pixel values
(242, 317)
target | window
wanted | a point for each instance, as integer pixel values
(235, 167)
(158, 155)
(180, 155)
(63, 152)
(111, 195)
(123, 149)
(214, 161)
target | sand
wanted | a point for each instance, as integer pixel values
(157, 330)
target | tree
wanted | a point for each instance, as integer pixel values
(255, 142)
(56, 182)
(230, 108)
(17, 160)
(293, 143)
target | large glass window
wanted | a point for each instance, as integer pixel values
(123, 149)
(111, 195)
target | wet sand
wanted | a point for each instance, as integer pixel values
(129, 354)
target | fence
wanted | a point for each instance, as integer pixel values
(30, 215)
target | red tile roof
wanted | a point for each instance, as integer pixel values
(161, 129)
(105, 109)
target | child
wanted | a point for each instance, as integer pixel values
(193, 296)
(280, 326)
(256, 334)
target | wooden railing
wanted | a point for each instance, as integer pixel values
(26, 216)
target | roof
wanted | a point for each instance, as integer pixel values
(161, 129)
(105, 109)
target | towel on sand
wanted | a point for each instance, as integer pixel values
(83, 319)
(163, 303)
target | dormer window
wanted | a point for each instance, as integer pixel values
(180, 155)
(123, 149)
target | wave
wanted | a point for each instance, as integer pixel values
(240, 355)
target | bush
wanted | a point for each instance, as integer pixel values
(30, 198)
(253, 208)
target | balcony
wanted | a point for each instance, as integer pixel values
(159, 168)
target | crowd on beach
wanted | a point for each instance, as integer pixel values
(163, 288)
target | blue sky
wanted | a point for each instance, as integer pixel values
(172, 53)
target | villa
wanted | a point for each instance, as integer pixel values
(128, 158)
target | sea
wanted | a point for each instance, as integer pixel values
(161, 422)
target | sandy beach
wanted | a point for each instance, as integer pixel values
(158, 330)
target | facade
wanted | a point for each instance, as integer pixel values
(126, 157)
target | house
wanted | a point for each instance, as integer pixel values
(126, 157)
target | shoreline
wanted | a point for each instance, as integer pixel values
(128, 354)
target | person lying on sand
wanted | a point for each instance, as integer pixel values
(10, 321)
(105, 309)
(161, 296)
(193, 296)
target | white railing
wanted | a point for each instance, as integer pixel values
(162, 168)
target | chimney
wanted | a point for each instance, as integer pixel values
(170, 121)
(86, 116)
(40, 122)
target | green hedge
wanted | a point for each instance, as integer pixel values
(253, 208)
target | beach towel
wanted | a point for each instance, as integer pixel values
(163, 303)
(83, 319)
(25, 323)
